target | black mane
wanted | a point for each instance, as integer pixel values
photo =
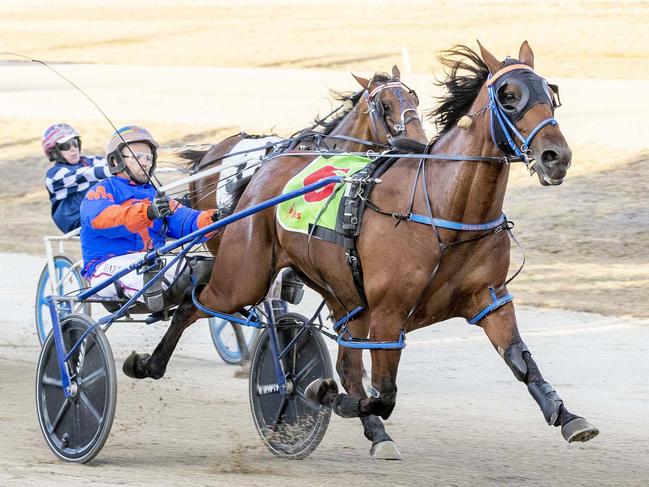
(462, 90)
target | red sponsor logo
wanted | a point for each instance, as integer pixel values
(326, 191)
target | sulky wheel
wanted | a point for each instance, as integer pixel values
(224, 335)
(70, 280)
(290, 425)
(75, 428)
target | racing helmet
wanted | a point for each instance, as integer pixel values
(121, 138)
(58, 134)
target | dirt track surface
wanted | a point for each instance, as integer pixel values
(461, 417)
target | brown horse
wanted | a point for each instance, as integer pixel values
(414, 274)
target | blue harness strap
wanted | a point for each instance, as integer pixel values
(451, 225)
(370, 345)
(496, 303)
(346, 339)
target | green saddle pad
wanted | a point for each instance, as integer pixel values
(318, 207)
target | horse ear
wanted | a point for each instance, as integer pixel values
(364, 82)
(492, 63)
(525, 55)
(395, 72)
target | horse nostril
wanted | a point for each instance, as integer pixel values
(549, 157)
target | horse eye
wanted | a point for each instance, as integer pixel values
(507, 96)
(386, 107)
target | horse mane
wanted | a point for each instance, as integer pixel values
(462, 89)
(325, 125)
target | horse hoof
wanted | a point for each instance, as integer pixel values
(385, 450)
(130, 365)
(578, 429)
(319, 388)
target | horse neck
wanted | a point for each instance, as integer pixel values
(471, 192)
(355, 124)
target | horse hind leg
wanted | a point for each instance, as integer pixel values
(502, 331)
(140, 366)
(350, 369)
(356, 403)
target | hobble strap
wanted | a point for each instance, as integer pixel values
(495, 304)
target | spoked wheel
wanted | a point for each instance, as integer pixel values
(290, 425)
(224, 335)
(69, 279)
(75, 428)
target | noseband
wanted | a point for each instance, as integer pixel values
(505, 127)
(378, 113)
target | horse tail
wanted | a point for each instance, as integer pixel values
(194, 157)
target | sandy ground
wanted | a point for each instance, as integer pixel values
(606, 39)
(461, 417)
(199, 70)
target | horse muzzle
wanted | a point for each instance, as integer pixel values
(552, 165)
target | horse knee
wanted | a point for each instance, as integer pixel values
(381, 405)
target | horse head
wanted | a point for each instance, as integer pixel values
(521, 104)
(391, 108)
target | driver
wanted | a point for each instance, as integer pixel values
(70, 176)
(123, 217)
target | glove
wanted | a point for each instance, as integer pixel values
(159, 208)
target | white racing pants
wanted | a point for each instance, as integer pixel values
(132, 282)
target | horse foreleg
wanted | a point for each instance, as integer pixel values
(502, 330)
(140, 366)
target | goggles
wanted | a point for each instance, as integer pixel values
(140, 156)
(70, 144)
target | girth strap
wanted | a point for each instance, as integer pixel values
(451, 225)
(354, 204)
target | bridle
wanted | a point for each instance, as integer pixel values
(501, 124)
(378, 115)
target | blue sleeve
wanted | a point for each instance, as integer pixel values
(183, 222)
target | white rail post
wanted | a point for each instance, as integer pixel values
(405, 56)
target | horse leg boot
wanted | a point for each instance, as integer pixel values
(140, 366)
(502, 331)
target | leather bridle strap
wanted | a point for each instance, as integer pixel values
(511, 67)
